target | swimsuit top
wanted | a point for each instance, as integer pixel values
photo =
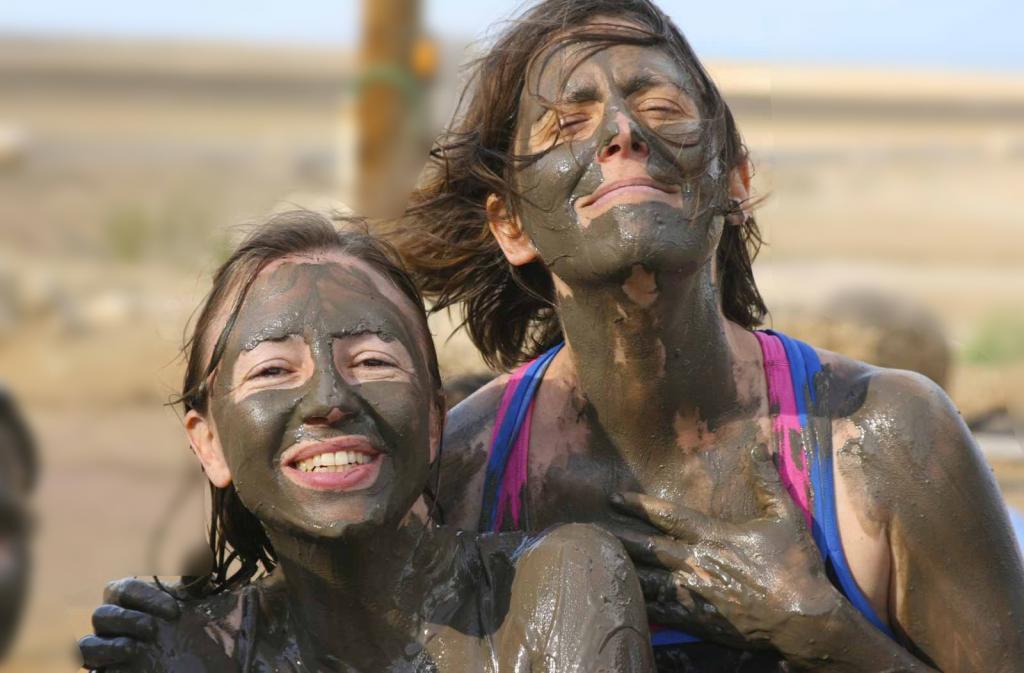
(790, 367)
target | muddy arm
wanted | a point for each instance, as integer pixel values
(464, 452)
(577, 606)
(957, 582)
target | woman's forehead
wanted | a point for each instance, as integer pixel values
(332, 263)
(569, 73)
(342, 271)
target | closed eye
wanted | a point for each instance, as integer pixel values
(571, 121)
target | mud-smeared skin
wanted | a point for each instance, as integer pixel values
(365, 581)
(679, 147)
(564, 601)
(657, 392)
(956, 593)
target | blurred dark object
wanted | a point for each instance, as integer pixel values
(995, 421)
(18, 475)
(460, 387)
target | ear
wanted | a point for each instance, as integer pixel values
(514, 242)
(207, 448)
(739, 184)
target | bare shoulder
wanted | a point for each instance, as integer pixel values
(467, 436)
(911, 464)
(891, 424)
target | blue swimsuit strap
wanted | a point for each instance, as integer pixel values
(504, 440)
(804, 365)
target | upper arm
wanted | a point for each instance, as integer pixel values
(957, 582)
(576, 605)
(465, 448)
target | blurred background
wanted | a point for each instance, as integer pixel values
(134, 139)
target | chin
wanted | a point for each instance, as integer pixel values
(337, 520)
(657, 235)
(324, 520)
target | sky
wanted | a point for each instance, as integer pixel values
(970, 34)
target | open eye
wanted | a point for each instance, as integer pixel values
(269, 371)
(374, 361)
(368, 357)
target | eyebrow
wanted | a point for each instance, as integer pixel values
(585, 93)
(383, 334)
(637, 82)
(268, 334)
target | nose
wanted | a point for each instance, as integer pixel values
(329, 399)
(625, 141)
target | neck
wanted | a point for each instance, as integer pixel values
(655, 358)
(364, 598)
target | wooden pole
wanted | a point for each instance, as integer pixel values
(388, 86)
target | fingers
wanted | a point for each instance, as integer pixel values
(675, 520)
(111, 621)
(772, 496)
(653, 550)
(99, 653)
(136, 594)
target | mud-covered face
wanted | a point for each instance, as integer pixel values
(629, 172)
(322, 401)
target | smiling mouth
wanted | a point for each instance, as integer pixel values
(334, 462)
(612, 191)
(347, 463)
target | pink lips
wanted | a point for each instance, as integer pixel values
(352, 478)
(611, 190)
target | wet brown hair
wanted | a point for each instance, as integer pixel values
(238, 543)
(445, 238)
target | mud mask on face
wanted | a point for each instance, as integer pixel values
(350, 364)
(642, 133)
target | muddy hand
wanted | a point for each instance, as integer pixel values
(756, 584)
(126, 623)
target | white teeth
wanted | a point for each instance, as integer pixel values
(333, 462)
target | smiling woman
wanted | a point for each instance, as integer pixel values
(313, 401)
